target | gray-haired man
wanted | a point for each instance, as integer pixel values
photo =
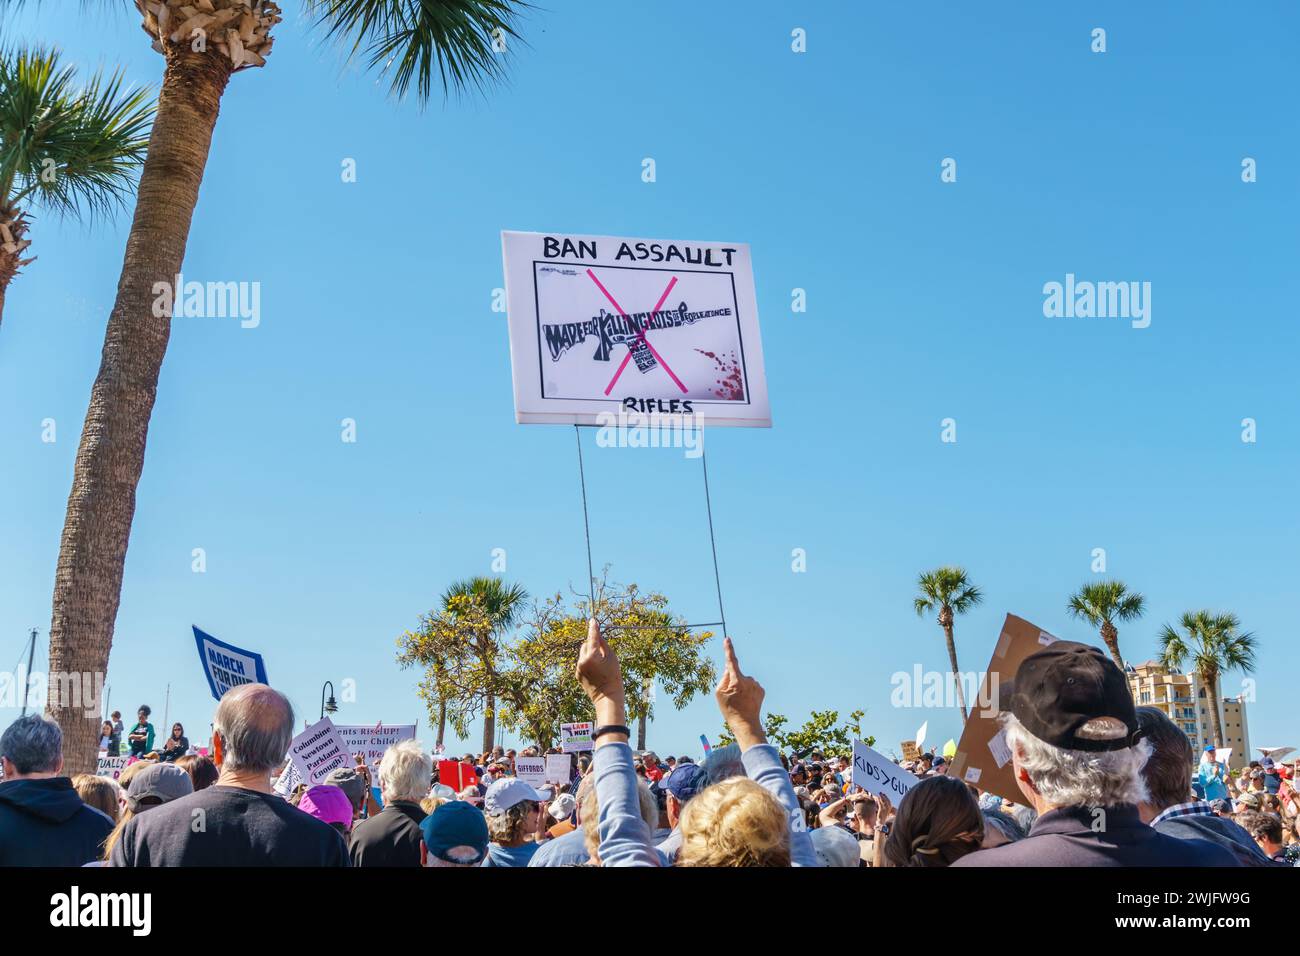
(42, 820)
(238, 821)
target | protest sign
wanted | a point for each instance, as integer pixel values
(1222, 754)
(950, 749)
(920, 735)
(369, 742)
(457, 775)
(910, 750)
(227, 666)
(603, 325)
(983, 757)
(317, 751)
(531, 770)
(288, 780)
(576, 737)
(559, 768)
(110, 766)
(876, 773)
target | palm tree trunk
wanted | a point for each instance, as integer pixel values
(490, 722)
(110, 458)
(442, 721)
(1211, 682)
(1110, 637)
(640, 731)
(956, 674)
(4, 284)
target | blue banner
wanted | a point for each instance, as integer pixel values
(227, 666)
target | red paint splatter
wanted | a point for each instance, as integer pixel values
(731, 387)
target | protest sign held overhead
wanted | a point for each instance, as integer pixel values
(603, 325)
(368, 742)
(318, 750)
(576, 737)
(227, 666)
(559, 768)
(876, 773)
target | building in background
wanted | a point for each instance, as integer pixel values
(1183, 699)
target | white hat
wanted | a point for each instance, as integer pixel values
(442, 792)
(508, 792)
(562, 806)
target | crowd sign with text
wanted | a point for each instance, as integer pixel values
(317, 751)
(227, 666)
(576, 737)
(370, 741)
(603, 325)
(876, 773)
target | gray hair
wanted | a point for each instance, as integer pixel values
(256, 725)
(589, 813)
(405, 771)
(721, 764)
(33, 744)
(1079, 778)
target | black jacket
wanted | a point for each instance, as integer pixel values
(390, 838)
(1080, 836)
(44, 823)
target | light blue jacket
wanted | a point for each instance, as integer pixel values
(1216, 788)
(625, 840)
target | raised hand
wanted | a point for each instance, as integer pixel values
(598, 669)
(740, 699)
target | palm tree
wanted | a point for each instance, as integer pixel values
(454, 43)
(68, 149)
(1101, 604)
(504, 604)
(951, 592)
(1215, 644)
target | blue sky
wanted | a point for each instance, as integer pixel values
(924, 303)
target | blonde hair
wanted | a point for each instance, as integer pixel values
(429, 804)
(589, 812)
(734, 823)
(510, 827)
(102, 793)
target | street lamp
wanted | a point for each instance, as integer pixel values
(328, 705)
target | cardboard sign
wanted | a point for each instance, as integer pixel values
(983, 757)
(456, 774)
(576, 737)
(559, 768)
(531, 770)
(604, 324)
(876, 773)
(369, 743)
(317, 751)
(227, 666)
(910, 750)
(110, 766)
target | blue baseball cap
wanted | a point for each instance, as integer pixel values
(684, 782)
(452, 826)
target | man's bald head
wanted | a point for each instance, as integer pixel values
(256, 724)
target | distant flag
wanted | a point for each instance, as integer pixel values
(704, 741)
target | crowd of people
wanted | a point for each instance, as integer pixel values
(1101, 782)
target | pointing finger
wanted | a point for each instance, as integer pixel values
(729, 649)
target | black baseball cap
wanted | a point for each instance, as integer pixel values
(1065, 686)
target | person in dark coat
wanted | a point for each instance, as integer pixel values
(1077, 754)
(392, 836)
(1171, 808)
(42, 820)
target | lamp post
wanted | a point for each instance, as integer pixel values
(328, 705)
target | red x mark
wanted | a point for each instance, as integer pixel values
(640, 333)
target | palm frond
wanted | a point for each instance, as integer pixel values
(417, 42)
(73, 150)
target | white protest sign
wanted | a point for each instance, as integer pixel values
(110, 766)
(920, 736)
(531, 770)
(317, 751)
(559, 768)
(370, 742)
(876, 773)
(1222, 754)
(576, 737)
(288, 781)
(603, 325)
